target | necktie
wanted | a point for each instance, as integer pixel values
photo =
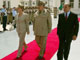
(66, 16)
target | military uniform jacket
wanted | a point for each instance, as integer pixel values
(22, 25)
(42, 23)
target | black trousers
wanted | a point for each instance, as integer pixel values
(64, 47)
(13, 18)
(4, 22)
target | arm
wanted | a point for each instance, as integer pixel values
(76, 26)
(27, 24)
(58, 26)
(49, 23)
(33, 20)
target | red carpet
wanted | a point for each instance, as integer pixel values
(33, 49)
(79, 19)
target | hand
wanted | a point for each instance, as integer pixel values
(74, 37)
(28, 32)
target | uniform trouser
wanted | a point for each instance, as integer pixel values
(64, 48)
(13, 18)
(9, 19)
(4, 22)
(41, 41)
(1, 19)
(21, 43)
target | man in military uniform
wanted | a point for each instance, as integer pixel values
(42, 26)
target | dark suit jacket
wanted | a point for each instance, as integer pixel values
(68, 27)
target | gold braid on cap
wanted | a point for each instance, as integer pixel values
(41, 3)
(22, 7)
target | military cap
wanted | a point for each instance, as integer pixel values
(41, 3)
(22, 7)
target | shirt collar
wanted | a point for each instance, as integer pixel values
(68, 13)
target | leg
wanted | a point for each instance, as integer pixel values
(43, 45)
(4, 22)
(8, 19)
(11, 19)
(1, 19)
(15, 26)
(25, 46)
(21, 41)
(67, 49)
(61, 47)
(37, 38)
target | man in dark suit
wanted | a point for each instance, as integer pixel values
(68, 27)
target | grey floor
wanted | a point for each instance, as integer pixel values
(9, 42)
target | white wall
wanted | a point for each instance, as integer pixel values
(15, 3)
(1, 3)
(75, 9)
(53, 3)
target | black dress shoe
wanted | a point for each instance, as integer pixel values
(5, 30)
(18, 58)
(40, 58)
(66, 59)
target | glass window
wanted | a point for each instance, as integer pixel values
(79, 3)
(33, 3)
(8, 4)
(22, 3)
(71, 0)
(62, 2)
(4, 3)
(25, 3)
(72, 3)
